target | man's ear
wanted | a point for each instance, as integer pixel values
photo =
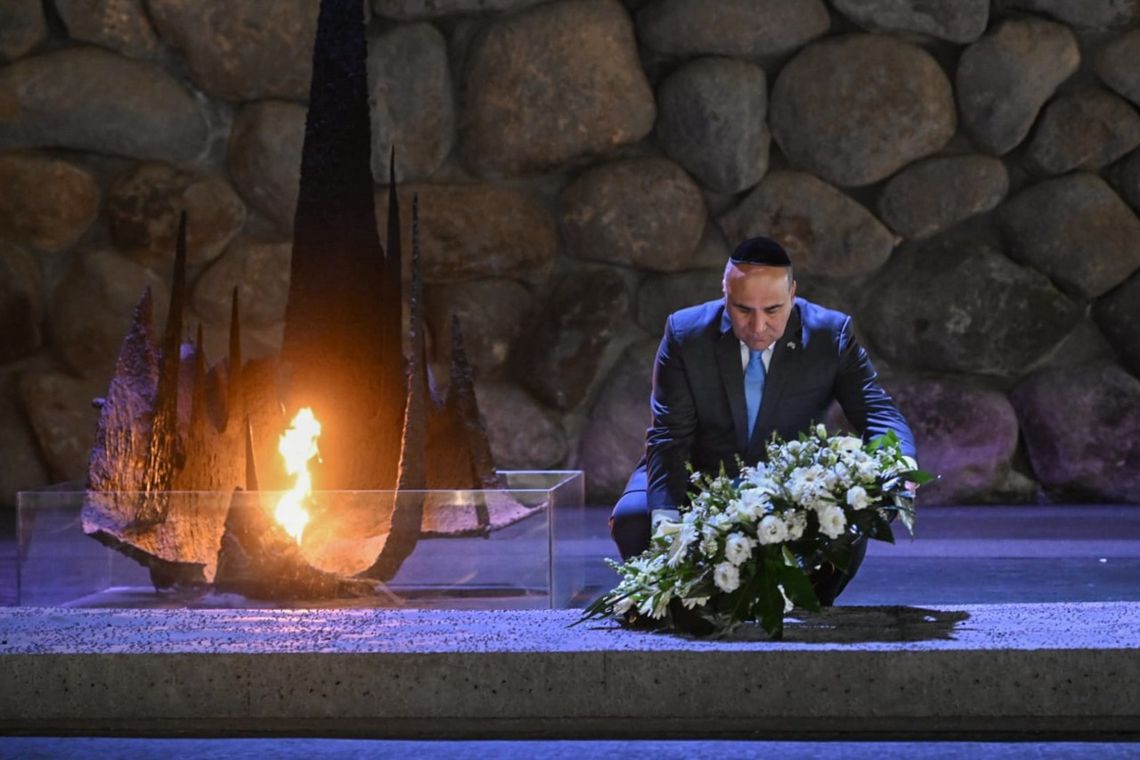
(792, 290)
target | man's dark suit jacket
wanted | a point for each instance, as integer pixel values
(698, 393)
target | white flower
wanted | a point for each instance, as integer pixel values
(821, 431)
(797, 524)
(721, 522)
(681, 542)
(737, 548)
(832, 521)
(709, 537)
(694, 601)
(772, 530)
(623, 605)
(857, 498)
(666, 527)
(866, 470)
(726, 577)
(846, 444)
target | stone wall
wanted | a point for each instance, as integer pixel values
(962, 175)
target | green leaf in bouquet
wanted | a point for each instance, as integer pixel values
(838, 553)
(771, 603)
(888, 438)
(918, 477)
(879, 528)
(798, 587)
(906, 517)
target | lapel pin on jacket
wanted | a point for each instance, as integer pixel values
(791, 345)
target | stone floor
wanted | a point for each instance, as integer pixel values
(35, 748)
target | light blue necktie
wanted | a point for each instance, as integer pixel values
(753, 387)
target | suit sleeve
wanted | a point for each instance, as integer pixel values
(868, 407)
(669, 441)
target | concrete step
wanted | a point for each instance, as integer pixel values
(1008, 670)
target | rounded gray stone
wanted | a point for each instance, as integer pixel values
(259, 269)
(47, 203)
(63, 100)
(144, 205)
(472, 232)
(1117, 313)
(644, 212)
(1116, 64)
(59, 408)
(1083, 129)
(418, 10)
(22, 303)
(22, 27)
(264, 158)
(1125, 178)
(412, 104)
(1088, 14)
(1004, 78)
(659, 295)
(965, 433)
(934, 195)
(614, 438)
(1065, 413)
(1076, 230)
(825, 232)
(558, 360)
(93, 305)
(858, 108)
(712, 119)
(492, 314)
(552, 84)
(120, 25)
(523, 435)
(960, 21)
(242, 49)
(21, 467)
(957, 305)
(743, 28)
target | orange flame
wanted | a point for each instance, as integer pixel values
(298, 445)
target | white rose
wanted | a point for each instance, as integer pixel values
(832, 521)
(857, 498)
(821, 431)
(737, 548)
(797, 524)
(866, 470)
(726, 577)
(846, 444)
(772, 530)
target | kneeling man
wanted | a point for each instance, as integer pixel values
(731, 372)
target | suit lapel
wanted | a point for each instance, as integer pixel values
(732, 375)
(785, 355)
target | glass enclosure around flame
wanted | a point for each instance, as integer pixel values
(514, 548)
